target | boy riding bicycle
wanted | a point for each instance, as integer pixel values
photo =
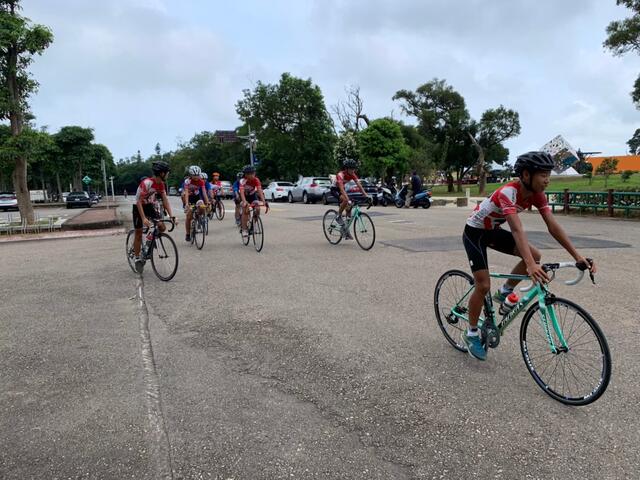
(194, 193)
(483, 229)
(250, 190)
(346, 175)
(147, 206)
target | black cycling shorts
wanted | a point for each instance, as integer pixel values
(150, 212)
(476, 241)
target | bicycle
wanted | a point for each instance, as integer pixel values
(160, 249)
(198, 228)
(255, 229)
(218, 208)
(555, 333)
(363, 229)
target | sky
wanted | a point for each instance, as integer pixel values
(141, 72)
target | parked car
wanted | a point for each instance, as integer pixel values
(8, 201)
(95, 198)
(226, 189)
(309, 189)
(64, 196)
(78, 199)
(173, 191)
(278, 191)
(352, 190)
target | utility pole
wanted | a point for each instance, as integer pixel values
(113, 194)
(252, 140)
(104, 177)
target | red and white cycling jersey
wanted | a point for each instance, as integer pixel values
(148, 189)
(506, 200)
(250, 186)
(216, 187)
(192, 187)
(344, 177)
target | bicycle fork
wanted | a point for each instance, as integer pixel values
(548, 312)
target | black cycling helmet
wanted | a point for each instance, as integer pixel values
(350, 163)
(534, 162)
(159, 166)
(249, 169)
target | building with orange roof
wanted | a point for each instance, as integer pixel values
(625, 162)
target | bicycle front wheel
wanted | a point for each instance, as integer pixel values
(164, 257)
(332, 229)
(219, 210)
(364, 231)
(576, 375)
(131, 256)
(199, 233)
(452, 295)
(258, 233)
(205, 221)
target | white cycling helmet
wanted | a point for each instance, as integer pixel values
(195, 171)
(204, 176)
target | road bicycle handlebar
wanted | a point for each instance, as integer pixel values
(552, 267)
(368, 202)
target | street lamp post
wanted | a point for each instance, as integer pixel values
(113, 193)
(251, 143)
(104, 177)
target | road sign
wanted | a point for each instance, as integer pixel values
(86, 180)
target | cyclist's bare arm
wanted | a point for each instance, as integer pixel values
(205, 195)
(263, 200)
(362, 189)
(165, 201)
(522, 244)
(557, 232)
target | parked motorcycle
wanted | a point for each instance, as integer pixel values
(386, 195)
(422, 199)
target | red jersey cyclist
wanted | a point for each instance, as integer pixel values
(250, 190)
(147, 206)
(483, 229)
(346, 175)
(194, 192)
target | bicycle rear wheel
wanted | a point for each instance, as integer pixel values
(258, 233)
(131, 256)
(453, 291)
(200, 233)
(332, 229)
(364, 231)
(578, 375)
(219, 210)
(164, 257)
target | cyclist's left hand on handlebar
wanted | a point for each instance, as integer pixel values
(174, 220)
(591, 265)
(147, 223)
(266, 207)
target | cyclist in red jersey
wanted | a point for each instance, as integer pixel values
(147, 206)
(194, 192)
(250, 190)
(483, 229)
(346, 175)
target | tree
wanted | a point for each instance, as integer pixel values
(607, 168)
(350, 112)
(346, 146)
(292, 125)
(75, 151)
(382, 147)
(624, 37)
(589, 175)
(19, 42)
(626, 175)
(495, 126)
(634, 143)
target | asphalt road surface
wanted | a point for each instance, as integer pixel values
(306, 360)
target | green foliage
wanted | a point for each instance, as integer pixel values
(382, 148)
(626, 175)
(293, 127)
(607, 168)
(346, 146)
(623, 36)
(495, 127)
(634, 143)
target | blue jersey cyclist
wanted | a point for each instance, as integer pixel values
(483, 229)
(236, 196)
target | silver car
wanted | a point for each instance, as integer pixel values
(309, 189)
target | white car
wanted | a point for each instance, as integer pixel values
(277, 191)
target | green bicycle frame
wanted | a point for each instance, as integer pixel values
(355, 215)
(539, 292)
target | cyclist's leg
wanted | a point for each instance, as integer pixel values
(187, 223)
(137, 225)
(504, 242)
(475, 244)
(245, 216)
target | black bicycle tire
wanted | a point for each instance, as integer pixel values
(193, 229)
(604, 346)
(437, 301)
(364, 216)
(200, 222)
(245, 240)
(325, 230)
(130, 260)
(161, 238)
(220, 217)
(258, 220)
(205, 221)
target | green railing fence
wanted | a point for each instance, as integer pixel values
(608, 201)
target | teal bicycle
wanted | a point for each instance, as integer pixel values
(363, 229)
(563, 347)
